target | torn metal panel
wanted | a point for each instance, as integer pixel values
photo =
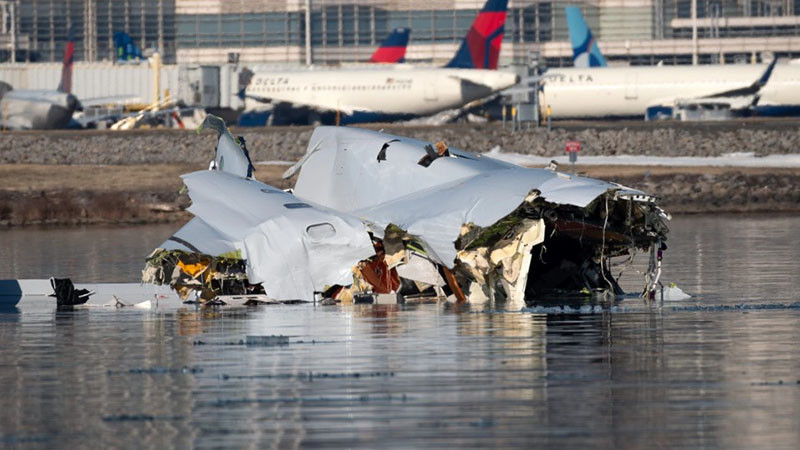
(278, 233)
(341, 155)
(344, 173)
(198, 236)
(432, 194)
(421, 270)
(429, 202)
(288, 246)
(231, 155)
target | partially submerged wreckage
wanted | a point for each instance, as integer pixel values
(373, 213)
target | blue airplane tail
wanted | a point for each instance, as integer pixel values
(126, 49)
(480, 49)
(584, 47)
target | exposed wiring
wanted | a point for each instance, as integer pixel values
(603, 249)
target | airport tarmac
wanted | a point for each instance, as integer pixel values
(760, 137)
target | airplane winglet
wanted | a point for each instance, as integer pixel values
(767, 73)
(754, 88)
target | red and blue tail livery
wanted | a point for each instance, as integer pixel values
(481, 48)
(393, 49)
(65, 85)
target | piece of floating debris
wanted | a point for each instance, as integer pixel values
(375, 214)
(738, 307)
(564, 309)
(115, 302)
(157, 371)
(308, 376)
(266, 341)
(147, 304)
(139, 418)
(674, 293)
(65, 293)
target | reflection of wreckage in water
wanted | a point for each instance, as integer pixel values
(373, 214)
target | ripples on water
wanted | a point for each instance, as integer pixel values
(387, 376)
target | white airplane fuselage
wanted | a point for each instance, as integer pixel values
(629, 91)
(37, 110)
(383, 93)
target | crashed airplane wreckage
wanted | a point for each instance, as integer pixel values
(373, 213)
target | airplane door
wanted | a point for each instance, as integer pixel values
(430, 92)
(631, 86)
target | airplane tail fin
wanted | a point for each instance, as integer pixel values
(231, 153)
(480, 49)
(584, 47)
(65, 85)
(393, 49)
(126, 49)
(245, 77)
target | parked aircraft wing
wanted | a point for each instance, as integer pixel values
(734, 101)
(320, 106)
(751, 90)
(114, 99)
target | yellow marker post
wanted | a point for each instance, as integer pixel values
(513, 118)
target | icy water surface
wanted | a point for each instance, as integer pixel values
(718, 371)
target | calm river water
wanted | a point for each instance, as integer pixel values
(721, 370)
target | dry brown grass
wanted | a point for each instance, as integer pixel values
(65, 194)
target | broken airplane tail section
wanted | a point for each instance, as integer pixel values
(231, 153)
(393, 48)
(437, 222)
(480, 49)
(585, 51)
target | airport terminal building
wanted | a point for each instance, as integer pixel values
(299, 32)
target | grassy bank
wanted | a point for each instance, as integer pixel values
(92, 194)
